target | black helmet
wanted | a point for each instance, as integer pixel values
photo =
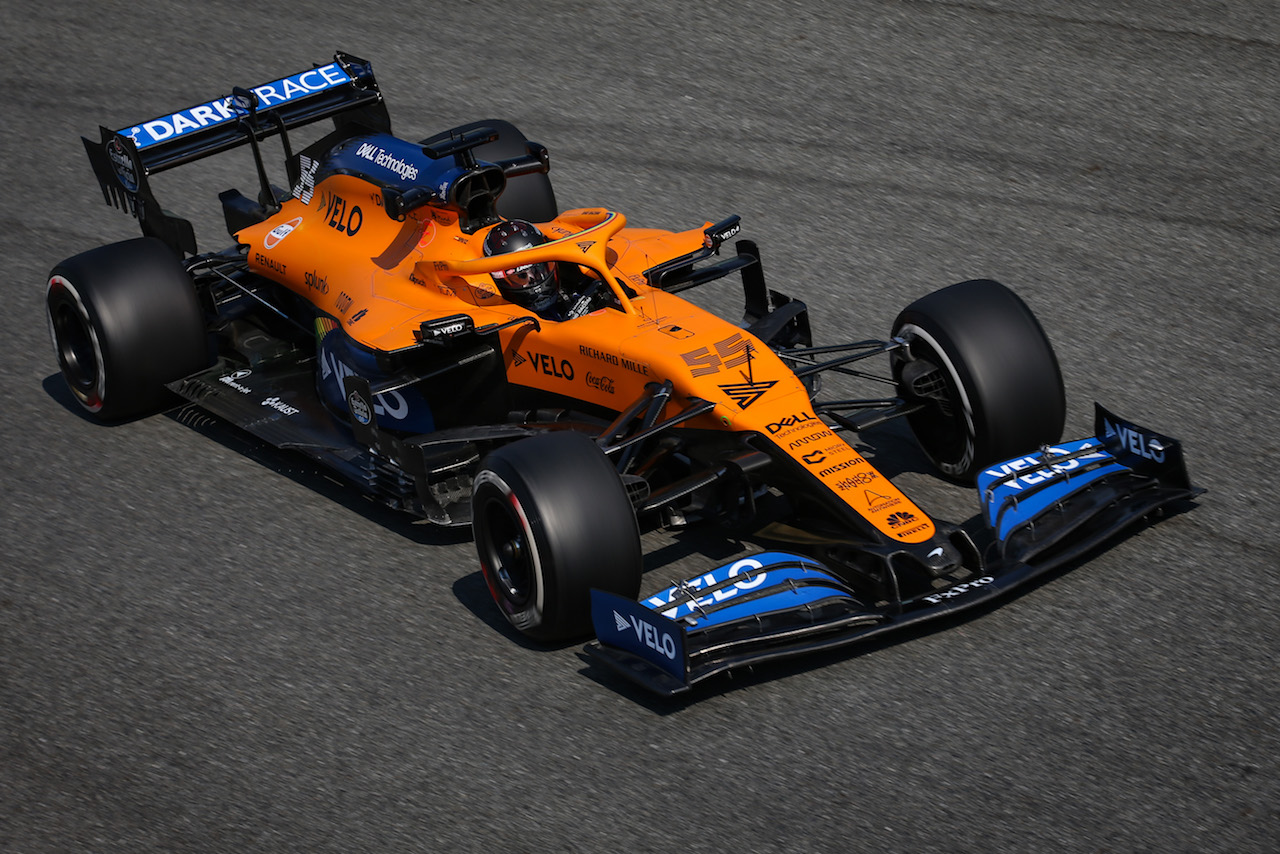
(534, 286)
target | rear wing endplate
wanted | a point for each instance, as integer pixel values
(123, 160)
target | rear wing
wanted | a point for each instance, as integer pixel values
(123, 160)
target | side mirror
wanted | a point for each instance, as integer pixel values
(445, 328)
(720, 232)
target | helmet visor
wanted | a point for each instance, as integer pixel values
(530, 275)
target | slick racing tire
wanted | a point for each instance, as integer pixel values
(986, 373)
(125, 320)
(552, 520)
(527, 197)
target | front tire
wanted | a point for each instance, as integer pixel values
(124, 320)
(551, 521)
(986, 373)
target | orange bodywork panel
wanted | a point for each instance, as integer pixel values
(391, 276)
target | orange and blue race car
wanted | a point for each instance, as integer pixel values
(422, 318)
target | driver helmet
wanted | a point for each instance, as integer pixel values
(534, 286)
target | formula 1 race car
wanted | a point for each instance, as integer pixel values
(423, 319)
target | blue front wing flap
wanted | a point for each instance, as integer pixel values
(757, 604)
(1052, 505)
(1042, 509)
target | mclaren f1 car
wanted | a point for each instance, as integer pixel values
(360, 317)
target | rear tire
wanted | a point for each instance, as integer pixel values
(528, 197)
(551, 521)
(124, 320)
(986, 373)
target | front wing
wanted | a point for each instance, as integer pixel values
(1043, 510)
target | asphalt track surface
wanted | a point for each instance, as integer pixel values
(208, 647)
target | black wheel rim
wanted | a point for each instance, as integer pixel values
(507, 552)
(941, 426)
(77, 355)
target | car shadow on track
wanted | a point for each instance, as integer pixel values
(316, 478)
(295, 466)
